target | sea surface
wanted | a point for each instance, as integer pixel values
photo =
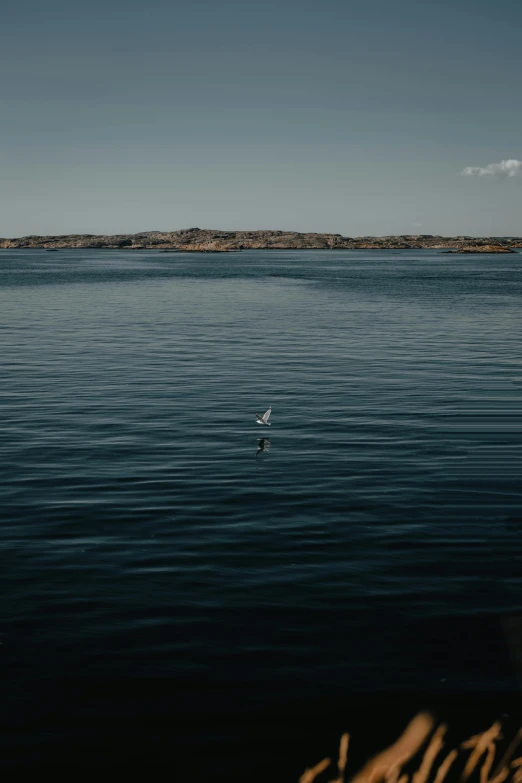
(377, 542)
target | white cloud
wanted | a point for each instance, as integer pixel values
(509, 167)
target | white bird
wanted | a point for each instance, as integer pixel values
(264, 419)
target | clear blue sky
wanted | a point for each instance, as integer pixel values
(349, 116)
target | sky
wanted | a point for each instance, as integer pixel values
(357, 117)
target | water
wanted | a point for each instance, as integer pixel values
(377, 543)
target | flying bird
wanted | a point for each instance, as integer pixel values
(264, 419)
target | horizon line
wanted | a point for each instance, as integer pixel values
(263, 230)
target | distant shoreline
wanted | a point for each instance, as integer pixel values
(210, 241)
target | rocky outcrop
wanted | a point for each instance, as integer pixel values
(205, 240)
(482, 249)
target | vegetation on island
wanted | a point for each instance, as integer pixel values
(206, 240)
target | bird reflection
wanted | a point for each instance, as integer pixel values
(263, 445)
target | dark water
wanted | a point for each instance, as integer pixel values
(377, 542)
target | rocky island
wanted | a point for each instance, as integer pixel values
(205, 240)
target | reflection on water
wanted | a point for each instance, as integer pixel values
(263, 444)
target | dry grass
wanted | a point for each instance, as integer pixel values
(419, 756)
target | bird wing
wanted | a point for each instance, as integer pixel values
(267, 415)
